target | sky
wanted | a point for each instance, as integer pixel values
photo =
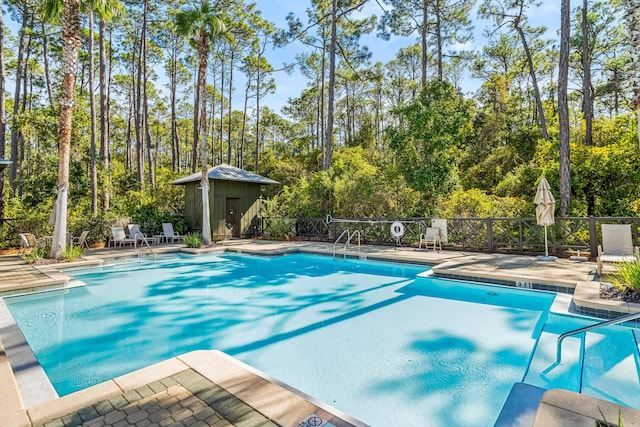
(290, 86)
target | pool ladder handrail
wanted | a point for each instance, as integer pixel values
(144, 239)
(617, 320)
(338, 239)
(347, 243)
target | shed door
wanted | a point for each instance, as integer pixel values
(233, 216)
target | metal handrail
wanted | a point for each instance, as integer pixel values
(617, 320)
(338, 239)
(348, 242)
(144, 239)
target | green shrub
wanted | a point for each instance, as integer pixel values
(627, 277)
(278, 227)
(193, 240)
(99, 227)
(71, 253)
(35, 255)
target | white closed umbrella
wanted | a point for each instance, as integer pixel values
(545, 207)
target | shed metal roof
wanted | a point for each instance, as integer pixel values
(224, 172)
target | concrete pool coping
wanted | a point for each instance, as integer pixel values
(510, 270)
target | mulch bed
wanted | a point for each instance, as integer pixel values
(610, 292)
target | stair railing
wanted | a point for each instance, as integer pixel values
(617, 320)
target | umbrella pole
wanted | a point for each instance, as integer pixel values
(546, 244)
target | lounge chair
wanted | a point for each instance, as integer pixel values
(28, 241)
(169, 234)
(118, 237)
(431, 235)
(617, 245)
(82, 240)
(136, 235)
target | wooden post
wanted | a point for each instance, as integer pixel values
(490, 235)
(593, 237)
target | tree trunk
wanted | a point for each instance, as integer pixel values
(3, 112)
(257, 152)
(563, 108)
(240, 151)
(423, 42)
(534, 83)
(139, 113)
(45, 59)
(70, 47)
(23, 109)
(92, 105)
(328, 144)
(196, 124)
(145, 104)
(321, 124)
(438, 14)
(222, 110)
(587, 99)
(104, 120)
(230, 124)
(15, 133)
(203, 53)
(632, 18)
(173, 82)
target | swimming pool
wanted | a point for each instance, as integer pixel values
(381, 341)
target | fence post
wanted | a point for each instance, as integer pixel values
(490, 235)
(593, 237)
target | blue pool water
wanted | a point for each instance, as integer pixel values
(380, 341)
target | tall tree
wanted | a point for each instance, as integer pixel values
(512, 13)
(204, 25)
(563, 108)
(587, 99)
(104, 116)
(15, 132)
(3, 112)
(632, 16)
(438, 23)
(92, 105)
(70, 46)
(328, 143)
(394, 21)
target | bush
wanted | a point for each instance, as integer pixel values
(627, 277)
(193, 240)
(279, 227)
(72, 253)
(35, 255)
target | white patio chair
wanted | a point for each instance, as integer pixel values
(119, 237)
(169, 234)
(136, 235)
(617, 245)
(431, 235)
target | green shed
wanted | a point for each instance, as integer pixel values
(234, 200)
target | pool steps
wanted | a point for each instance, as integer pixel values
(588, 361)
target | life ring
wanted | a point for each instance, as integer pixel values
(329, 219)
(397, 229)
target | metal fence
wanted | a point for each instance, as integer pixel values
(508, 235)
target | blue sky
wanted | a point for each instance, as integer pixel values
(290, 86)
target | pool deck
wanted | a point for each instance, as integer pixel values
(209, 388)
